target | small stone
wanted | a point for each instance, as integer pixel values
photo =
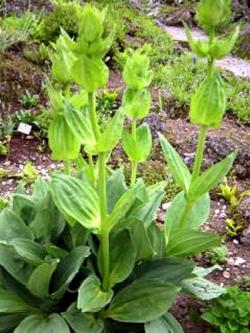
(166, 205)
(226, 275)
(245, 239)
(239, 261)
(235, 241)
(217, 211)
(230, 262)
(29, 137)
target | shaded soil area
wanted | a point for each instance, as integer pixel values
(18, 75)
(18, 6)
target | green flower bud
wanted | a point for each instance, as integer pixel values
(62, 59)
(91, 23)
(136, 103)
(137, 74)
(90, 73)
(219, 47)
(208, 104)
(200, 48)
(223, 46)
(213, 13)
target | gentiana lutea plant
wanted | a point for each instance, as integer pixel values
(83, 253)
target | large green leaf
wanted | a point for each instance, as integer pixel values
(24, 206)
(78, 199)
(141, 241)
(40, 324)
(91, 298)
(143, 300)
(29, 251)
(79, 122)
(157, 240)
(202, 288)
(14, 265)
(116, 187)
(189, 242)
(210, 178)
(39, 281)
(83, 322)
(144, 208)
(12, 303)
(112, 133)
(122, 257)
(48, 222)
(164, 324)
(123, 205)
(67, 270)
(62, 141)
(137, 147)
(11, 226)
(90, 73)
(171, 270)
(8, 321)
(147, 211)
(176, 165)
(178, 217)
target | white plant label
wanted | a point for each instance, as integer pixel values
(24, 128)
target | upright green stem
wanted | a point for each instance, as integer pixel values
(104, 226)
(134, 164)
(199, 152)
(95, 127)
(102, 187)
(67, 167)
(92, 168)
(93, 116)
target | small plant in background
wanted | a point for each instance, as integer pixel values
(233, 229)
(42, 122)
(230, 194)
(230, 312)
(28, 100)
(23, 116)
(38, 54)
(4, 151)
(16, 29)
(6, 131)
(7, 126)
(3, 201)
(246, 283)
(3, 173)
(218, 255)
(29, 174)
(64, 15)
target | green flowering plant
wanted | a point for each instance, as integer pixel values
(82, 252)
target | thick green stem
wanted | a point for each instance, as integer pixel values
(67, 167)
(134, 164)
(102, 187)
(199, 152)
(93, 116)
(187, 208)
(104, 246)
(92, 168)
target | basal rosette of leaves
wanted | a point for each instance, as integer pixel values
(83, 252)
